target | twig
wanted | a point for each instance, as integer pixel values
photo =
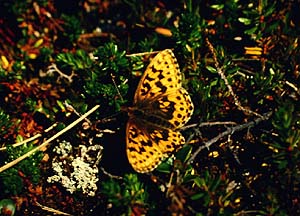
(293, 86)
(110, 175)
(229, 131)
(252, 212)
(46, 208)
(223, 77)
(203, 124)
(72, 109)
(115, 84)
(53, 68)
(44, 144)
(197, 126)
(31, 138)
(142, 53)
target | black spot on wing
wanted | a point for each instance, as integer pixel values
(146, 86)
(161, 86)
(177, 123)
(161, 76)
(146, 143)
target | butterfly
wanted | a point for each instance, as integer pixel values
(161, 106)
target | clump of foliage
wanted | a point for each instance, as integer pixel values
(5, 123)
(26, 172)
(126, 197)
(110, 67)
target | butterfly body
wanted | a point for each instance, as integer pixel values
(150, 118)
(161, 107)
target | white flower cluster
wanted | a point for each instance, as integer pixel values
(76, 173)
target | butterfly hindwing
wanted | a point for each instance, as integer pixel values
(146, 148)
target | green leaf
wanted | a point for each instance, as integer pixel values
(217, 6)
(164, 167)
(197, 196)
(199, 182)
(244, 20)
(211, 69)
(184, 153)
(214, 184)
(251, 30)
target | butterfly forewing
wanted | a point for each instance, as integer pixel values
(162, 75)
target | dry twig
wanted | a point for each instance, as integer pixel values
(52, 210)
(44, 144)
(229, 131)
(223, 77)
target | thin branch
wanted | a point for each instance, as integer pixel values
(223, 77)
(44, 144)
(142, 53)
(203, 124)
(110, 175)
(31, 138)
(117, 88)
(208, 124)
(72, 109)
(53, 68)
(229, 131)
(46, 208)
(293, 86)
